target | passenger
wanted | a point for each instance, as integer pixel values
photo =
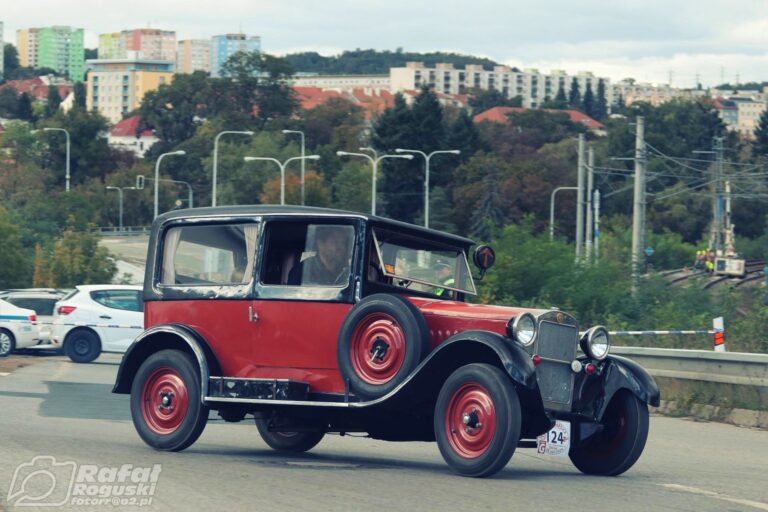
(330, 264)
(444, 274)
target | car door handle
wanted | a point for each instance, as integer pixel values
(253, 316)
(106, 317)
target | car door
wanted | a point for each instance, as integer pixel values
(120, 317)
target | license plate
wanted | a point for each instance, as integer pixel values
(557, 441)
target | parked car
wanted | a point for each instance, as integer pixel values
(97, 318)
(18, 328)
(42, 302)
(315, 321)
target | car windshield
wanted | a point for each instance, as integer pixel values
(423, 265)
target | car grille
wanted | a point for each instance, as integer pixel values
(556, 345)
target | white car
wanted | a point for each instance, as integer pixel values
(18, 328)
(42, 302)
(98, 318)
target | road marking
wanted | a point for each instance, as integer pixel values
(716, 495)
(3, 374)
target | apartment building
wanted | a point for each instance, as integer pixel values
(531, 85)
(193, 55)
(140, 43)
(110, 46)
(341, 82)
(224, 46)
(61, 49)
(26, 45)
(749, 112)
(116, 87)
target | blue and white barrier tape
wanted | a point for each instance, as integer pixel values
(653, 333)
(77, 324)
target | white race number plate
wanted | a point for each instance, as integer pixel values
(557, 441)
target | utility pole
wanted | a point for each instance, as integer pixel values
(580, 203)
(590, 187)
(597, 224)
(638, 212)
(719, 207)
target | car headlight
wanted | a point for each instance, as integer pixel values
(596, 342)
(522, 329)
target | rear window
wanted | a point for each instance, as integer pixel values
(41, 306)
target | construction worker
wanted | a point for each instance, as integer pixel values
(444, 274)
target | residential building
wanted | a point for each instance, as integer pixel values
(37, 88)
(125, 135)
(341, 82)
(728, 112)
(115, 87)
(749, 112)
(531, 85)
(224, 46)
(61, 49)
(26, 45)
(110, 46)
(193, 55)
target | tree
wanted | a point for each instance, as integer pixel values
(588, 102)
(10, 60)
(427, 115)
(24, 111)
(352, 187)
(760, 146)
(9, 103)
(80, 94)
(14, 261)
(574, 96)
(481, 100)
(78, 259)
(53, 101)
(601, 104)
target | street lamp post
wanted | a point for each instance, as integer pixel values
(157, 175)
(120, 194)
(302, 160)
(216, 158)
(552, 210)
(375, 164)
(426, 174)
(282, 166)
(67, 134)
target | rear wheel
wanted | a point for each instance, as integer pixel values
(618, 446)
(82, 346)
(288, 441)
(166, 401)
(477, 420)
(7, 342)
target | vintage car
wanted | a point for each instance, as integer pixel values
(318, 321)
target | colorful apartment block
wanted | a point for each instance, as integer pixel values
(193, 55)
(140, 43)
(59, 48)
(116, 87)
(26, 46)
(224, 46)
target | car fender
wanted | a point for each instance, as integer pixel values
(162, 337)
(622, 373)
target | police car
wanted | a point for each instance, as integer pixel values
(18, 328)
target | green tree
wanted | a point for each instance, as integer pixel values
(9, 103)
(588, 102)
(574, 96)
(10, 60)
(336, 122)
(481, 100)
(78, 259)
(352, 187)
(53, 101)
(601, 104)
(760, 145)
(24, 111)
(15, 268)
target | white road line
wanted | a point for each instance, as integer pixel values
(716, 495)
(3, 374)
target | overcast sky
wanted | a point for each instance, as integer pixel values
(645, 39)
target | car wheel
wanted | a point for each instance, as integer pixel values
(618, 446)
(382, 340)
(166, 401)
(477, 420)
(288, 441)
(82, 346)
(7, 342)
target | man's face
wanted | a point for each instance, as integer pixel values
(333, 249)
(443, 272)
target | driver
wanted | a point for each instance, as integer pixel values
(330, 265)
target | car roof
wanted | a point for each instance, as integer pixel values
(97, 287)
(308, 211)
(32, 295)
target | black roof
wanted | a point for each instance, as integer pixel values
(309, 211)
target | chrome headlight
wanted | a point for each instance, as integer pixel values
(522, 329)
(596, 343)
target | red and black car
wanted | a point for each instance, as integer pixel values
(318, 321)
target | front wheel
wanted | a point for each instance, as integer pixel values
(477, 420)
(288, 441)
(618, 446)
(166, 401)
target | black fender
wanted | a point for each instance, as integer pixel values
(424, 383)
(162, 337)
(622, 373)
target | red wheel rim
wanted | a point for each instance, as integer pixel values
(470, 420)
(164, 401)
(377, 349)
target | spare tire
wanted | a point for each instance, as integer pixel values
(382, 340)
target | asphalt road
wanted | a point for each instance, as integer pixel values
(66, 411)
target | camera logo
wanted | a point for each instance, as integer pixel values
(42, 482)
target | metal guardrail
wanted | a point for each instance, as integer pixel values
(126, 231)
(702, 365)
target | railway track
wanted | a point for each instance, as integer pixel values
(753, 271)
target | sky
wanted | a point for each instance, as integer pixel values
(651, 41)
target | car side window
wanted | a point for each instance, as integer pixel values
(43, 307)
(216, 254)
(125, 300)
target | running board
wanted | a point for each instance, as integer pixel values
(267, 390)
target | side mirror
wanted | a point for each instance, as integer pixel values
(140, 182)
(484, 258)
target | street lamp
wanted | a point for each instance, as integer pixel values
(302, 160)
(552, 210)
(282, 168)
(375, 164)
(157, 174)
(216, 158)
(426, 175)
(67, 134)
(120, 193)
